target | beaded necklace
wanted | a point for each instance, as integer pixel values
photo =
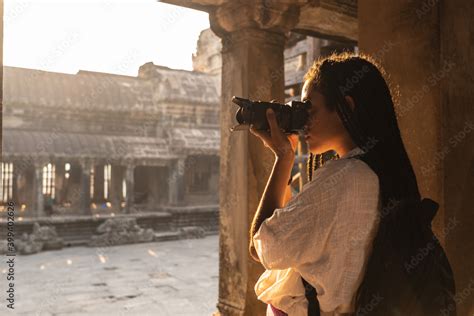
(316, 161)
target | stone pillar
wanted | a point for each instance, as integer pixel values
(15, 176)
(59, 182)
(38, 189)
(116, 187)
(84, 194)
(30, 190)
(176, 182)
(457, 99)
(129, 181)
(19, 184)
(252, 67)
(425, 47)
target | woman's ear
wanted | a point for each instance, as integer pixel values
(350, 101)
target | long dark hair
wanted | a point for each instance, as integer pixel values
(373, 124)
(373, 127)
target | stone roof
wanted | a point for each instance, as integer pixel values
(23, 143)
(182, 85)
(195, 141)
(84, 90)
(107, 92)
(104, 91)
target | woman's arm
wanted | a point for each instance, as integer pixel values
(288, 194)
(276, 193)
(274, 196)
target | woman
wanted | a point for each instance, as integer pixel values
(325, 235)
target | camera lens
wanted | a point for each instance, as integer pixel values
(239, 116)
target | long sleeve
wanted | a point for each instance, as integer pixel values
(280, 240)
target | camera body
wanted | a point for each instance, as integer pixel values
(291, 117)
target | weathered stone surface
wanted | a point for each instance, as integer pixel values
(119, 231)
(408, 49)
(192, 141)
(48, 236)
(3, 247)
(133, 108)
(245, 162)
(42, 238)
(329, 20)
(173, 85)
(28, 245)
(73, 145)
(274, 16)
(426, 47)
(335, 19)
(159, 278)
(192, 232)
(208, 53)
(457, 123)
(92, 120)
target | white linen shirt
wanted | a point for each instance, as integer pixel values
(324, 234)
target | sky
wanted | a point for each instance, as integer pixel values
(112, 36)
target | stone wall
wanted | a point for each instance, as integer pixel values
(78, 230)
(426, 47)
(457, 125)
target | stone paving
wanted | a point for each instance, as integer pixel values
(160, 278)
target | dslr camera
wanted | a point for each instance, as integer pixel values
(291, 117)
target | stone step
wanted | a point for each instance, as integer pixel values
(165, 236)
(78, 230)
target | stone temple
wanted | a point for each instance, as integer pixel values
(101, 145)
(105, 143)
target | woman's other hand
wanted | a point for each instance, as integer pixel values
(280, 144)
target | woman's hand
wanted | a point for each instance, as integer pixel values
(274, 196)
(280, 144)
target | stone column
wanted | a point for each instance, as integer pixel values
(84, 194)
(59, 182)
(252, 67)
(176, 182)
(19, 183)
(457, 122)
(129, 181)
(14, 185)
(116, 187)
(38, 189)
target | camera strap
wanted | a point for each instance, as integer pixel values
(311, 296)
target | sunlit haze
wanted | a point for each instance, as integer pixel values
(113, 36)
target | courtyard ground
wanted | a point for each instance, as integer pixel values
(160, 278)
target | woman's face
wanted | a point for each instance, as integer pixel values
(324, 130)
